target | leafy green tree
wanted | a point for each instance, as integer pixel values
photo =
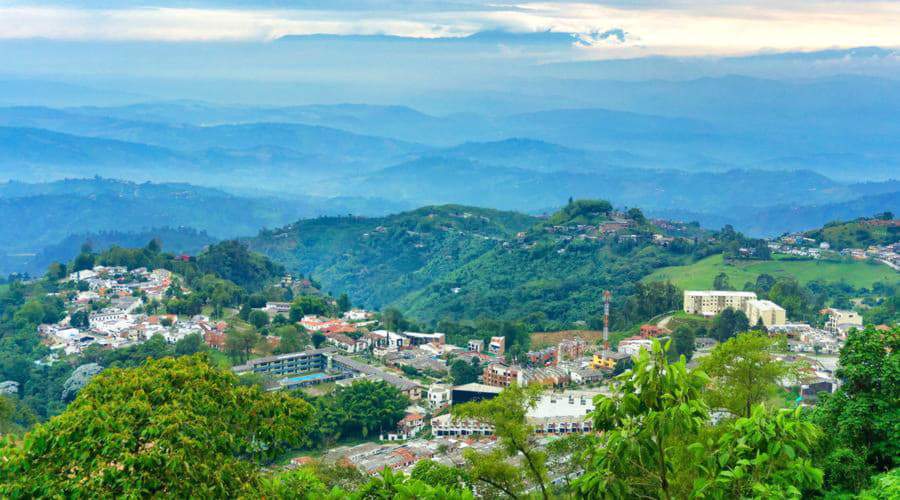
(722, 282)
(683, 341)
(343, 303)
(362, 408)
(244, 312)
(465, 372)
(56, 271)
(764, 283)
(506, 414)
(728, 323)
(291, 339)
(80, 319)
(170, 428)
(761, 456)
(643, 427)
(393, 320)
(396, 485)
(239, 343)
(190, 344)
(435, 474)
(258, 319)
(743, 373)
(884, 487)
(861, 416)
(636, 215)
(318, 338)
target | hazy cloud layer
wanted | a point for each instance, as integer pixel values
(615, 28)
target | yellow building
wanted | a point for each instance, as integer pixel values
(608, 360)
(770, 312)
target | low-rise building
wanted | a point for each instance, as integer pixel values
(497, 346)
(439, 395)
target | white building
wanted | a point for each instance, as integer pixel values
(634, 346)
(554, 413)
(439, 395)
(713, 302)
(357, 315)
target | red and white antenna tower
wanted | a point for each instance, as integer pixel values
(606, 297)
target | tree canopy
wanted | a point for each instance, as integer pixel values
(173, 427)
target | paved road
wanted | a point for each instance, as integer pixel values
(663, 323)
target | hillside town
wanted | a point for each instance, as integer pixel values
(107, 308)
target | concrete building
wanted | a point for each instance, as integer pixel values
(476, 345)
(473, 392)
(497, 346)
(554, 413)
(713, 302)
(500, 375)
(312, 360)
(439, 395)
(841, 320)
(769, 312)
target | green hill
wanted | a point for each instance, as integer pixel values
(378, 260)
(700, 275)
(461, 263)
(859, 233)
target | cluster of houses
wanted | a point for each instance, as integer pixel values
(122, 322)
(109, 281)
(800, 245)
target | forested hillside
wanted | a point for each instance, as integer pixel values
(378, 260)
(461, 263)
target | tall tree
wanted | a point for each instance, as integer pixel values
(722, 282)
(506, 414)
(644, 425)
(743, 373)
(683, 341)
(862, 415)
(239, 343)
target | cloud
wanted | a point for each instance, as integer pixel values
(613, 28)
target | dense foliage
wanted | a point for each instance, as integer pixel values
(361, 409)
(658, 413)
(172, 427)
(862, 416)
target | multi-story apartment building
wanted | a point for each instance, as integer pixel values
(500, 375)
(713, 302)
(769, 312)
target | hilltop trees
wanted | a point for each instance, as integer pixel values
(173, 427)
(232, 261)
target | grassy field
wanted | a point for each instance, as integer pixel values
(701, 274)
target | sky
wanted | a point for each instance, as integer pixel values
(641, 27)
